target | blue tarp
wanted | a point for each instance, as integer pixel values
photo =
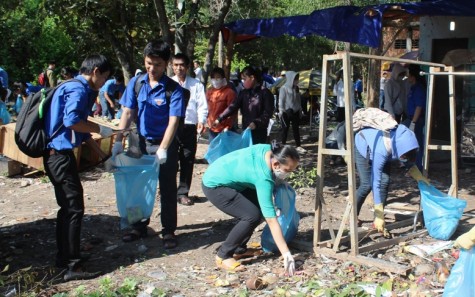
(361, 25)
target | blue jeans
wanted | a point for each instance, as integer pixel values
(364, 167)
(107, 110)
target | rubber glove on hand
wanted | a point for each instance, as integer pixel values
(117, 148)
(412, 126)
(105, 131)
(466, 240)
(416, 174)
(289, 263)
(379, 217)
(161, 155)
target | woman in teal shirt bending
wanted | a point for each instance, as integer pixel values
(241, 184)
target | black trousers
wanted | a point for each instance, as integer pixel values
(186, 155)
(294, 119)
(259, 135)
(61, 168)
(167, 184)
(240, 205)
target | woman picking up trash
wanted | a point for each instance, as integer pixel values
(373, 155)
(241, 184)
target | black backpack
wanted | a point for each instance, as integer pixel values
(169, 89)
(30, 134)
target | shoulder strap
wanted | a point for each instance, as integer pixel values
(138, 85)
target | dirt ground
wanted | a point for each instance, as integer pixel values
(27, 223)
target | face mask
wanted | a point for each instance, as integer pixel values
(281, 174)
(217, 83)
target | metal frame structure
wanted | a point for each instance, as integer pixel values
(332, 247)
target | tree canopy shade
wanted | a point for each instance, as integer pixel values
(360, 25)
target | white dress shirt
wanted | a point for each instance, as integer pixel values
(197, 108)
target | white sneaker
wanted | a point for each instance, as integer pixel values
(301, 150)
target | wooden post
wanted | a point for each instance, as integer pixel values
(453, 134)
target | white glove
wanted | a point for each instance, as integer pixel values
(412, 126)
(105, 131)
(289, 263)
(161, 155)
(117, 148)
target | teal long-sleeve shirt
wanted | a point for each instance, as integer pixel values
(245, 169)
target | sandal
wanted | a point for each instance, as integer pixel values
(169, 241)
(134, 235)
(249, 253)
(234, 267)
(185, 200)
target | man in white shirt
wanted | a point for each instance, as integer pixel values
(195, 118)
(198, 71)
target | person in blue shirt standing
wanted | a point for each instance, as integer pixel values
(107, 94)
(358, 90)
(157, 120)
(3, 78)
(67, 127)
(416, 108)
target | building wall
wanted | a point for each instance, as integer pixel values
(438, 28)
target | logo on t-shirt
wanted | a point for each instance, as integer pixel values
(159, 101)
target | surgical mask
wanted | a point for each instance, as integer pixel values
(218, 83)
(281, 174)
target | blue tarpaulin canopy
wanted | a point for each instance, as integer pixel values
(361, 25)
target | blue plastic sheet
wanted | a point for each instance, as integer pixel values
(288, 217)
(135, 186)
(441, 212)
(461, 281)
(227, 142)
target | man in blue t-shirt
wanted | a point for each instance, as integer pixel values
(67, 127)
(157, 121)
(107, 95)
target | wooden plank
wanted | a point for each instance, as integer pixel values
(371, 262)
(439, 147)
(366, 233)
(392, 241)
(346, 214)
(453, 133)
(10, 148)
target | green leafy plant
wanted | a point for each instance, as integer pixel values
(303, 178)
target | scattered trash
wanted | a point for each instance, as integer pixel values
(426, 250)
(111, 247)
(442, 271)
(255, 283)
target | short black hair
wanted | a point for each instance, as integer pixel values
(217, 70)
(182, 56)
(93, 61)
(157, 48)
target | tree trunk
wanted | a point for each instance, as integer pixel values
(213, 39)
(163, 21)
(374, 77)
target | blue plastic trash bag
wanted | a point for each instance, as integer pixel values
(135, 186)
(461, 281)
(287, 216)
(18, 104)
(4, 114)
(441, 212)
(227, 142)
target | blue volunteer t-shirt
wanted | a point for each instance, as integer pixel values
(153, 108)
(111, 86)
(71, 103)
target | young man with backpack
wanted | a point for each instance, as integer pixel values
(67, 127)
(195, 119)
(157, 105)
